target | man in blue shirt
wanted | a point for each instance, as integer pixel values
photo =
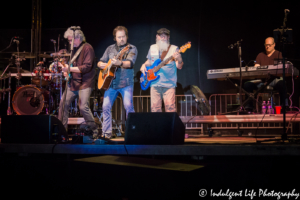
(123, 82)
(164, 87)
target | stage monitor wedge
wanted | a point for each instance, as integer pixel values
(154, 129)
(32, 129)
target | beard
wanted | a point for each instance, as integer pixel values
(162, 45)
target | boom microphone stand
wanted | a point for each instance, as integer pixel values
(238, 45)
(284, 38)
(73, 28)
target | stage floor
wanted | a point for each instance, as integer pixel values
(193, 146)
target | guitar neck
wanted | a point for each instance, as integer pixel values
(163, 63)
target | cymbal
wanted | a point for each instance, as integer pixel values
(45, 56)
(15, 70)
(60, 54)
(25, 54)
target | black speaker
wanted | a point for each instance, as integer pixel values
(32, 129)
(154, 128)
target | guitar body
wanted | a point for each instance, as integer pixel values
(106, 76)
(152, 71)
(150, 76)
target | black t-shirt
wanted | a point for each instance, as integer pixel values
(263, 59)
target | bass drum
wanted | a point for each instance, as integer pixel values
(30, 100)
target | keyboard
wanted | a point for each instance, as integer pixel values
(252, 72)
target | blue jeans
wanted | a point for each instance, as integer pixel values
(110, 96)
(83, 102)
(159, 93)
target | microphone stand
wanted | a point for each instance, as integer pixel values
(238, 45)
(18, 63)
(283, 40)
(67, 78)
(241, 78)
(50, 111)
(9, 64)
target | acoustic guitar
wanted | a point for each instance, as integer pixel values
(107, 74)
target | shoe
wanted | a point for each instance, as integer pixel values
(95, 134)
(106, 136)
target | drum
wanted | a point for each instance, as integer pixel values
(30, 100)
(39, 71)
(55, 80)
(54, 68)
(55, 83)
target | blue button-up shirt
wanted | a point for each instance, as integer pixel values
(124, 76)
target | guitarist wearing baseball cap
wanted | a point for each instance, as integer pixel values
(167, 58)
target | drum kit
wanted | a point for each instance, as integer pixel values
(44, 92)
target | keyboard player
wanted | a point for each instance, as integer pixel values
(267, 58)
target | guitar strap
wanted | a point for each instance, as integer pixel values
(74, 58)
(76, 54)
(164, 53)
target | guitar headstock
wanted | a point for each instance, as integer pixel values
(185, 47)
(123, 51)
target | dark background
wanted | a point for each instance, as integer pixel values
(211, 26)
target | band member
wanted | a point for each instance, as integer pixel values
(124, 77)
(61, 56)
(164, 87)
(267, 58)
(81, 82)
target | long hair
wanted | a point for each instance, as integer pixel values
(120, 28)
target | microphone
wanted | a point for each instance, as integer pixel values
(18, 37)
(54, 41)
(16, 41)
(230, 46)
(286, 11)
(74, 28)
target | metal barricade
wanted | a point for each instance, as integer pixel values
(221, 101)
(185, 106)
(117, 110)
(219, 104)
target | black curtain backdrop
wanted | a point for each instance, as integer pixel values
(211, 26)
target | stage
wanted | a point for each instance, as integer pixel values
(196, 146)
(195, 143)
(120, 171)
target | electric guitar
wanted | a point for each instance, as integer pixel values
(107, 74)
(152, 71)
(69, 76)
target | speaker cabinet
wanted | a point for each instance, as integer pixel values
(154, 129)
(32, 129)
